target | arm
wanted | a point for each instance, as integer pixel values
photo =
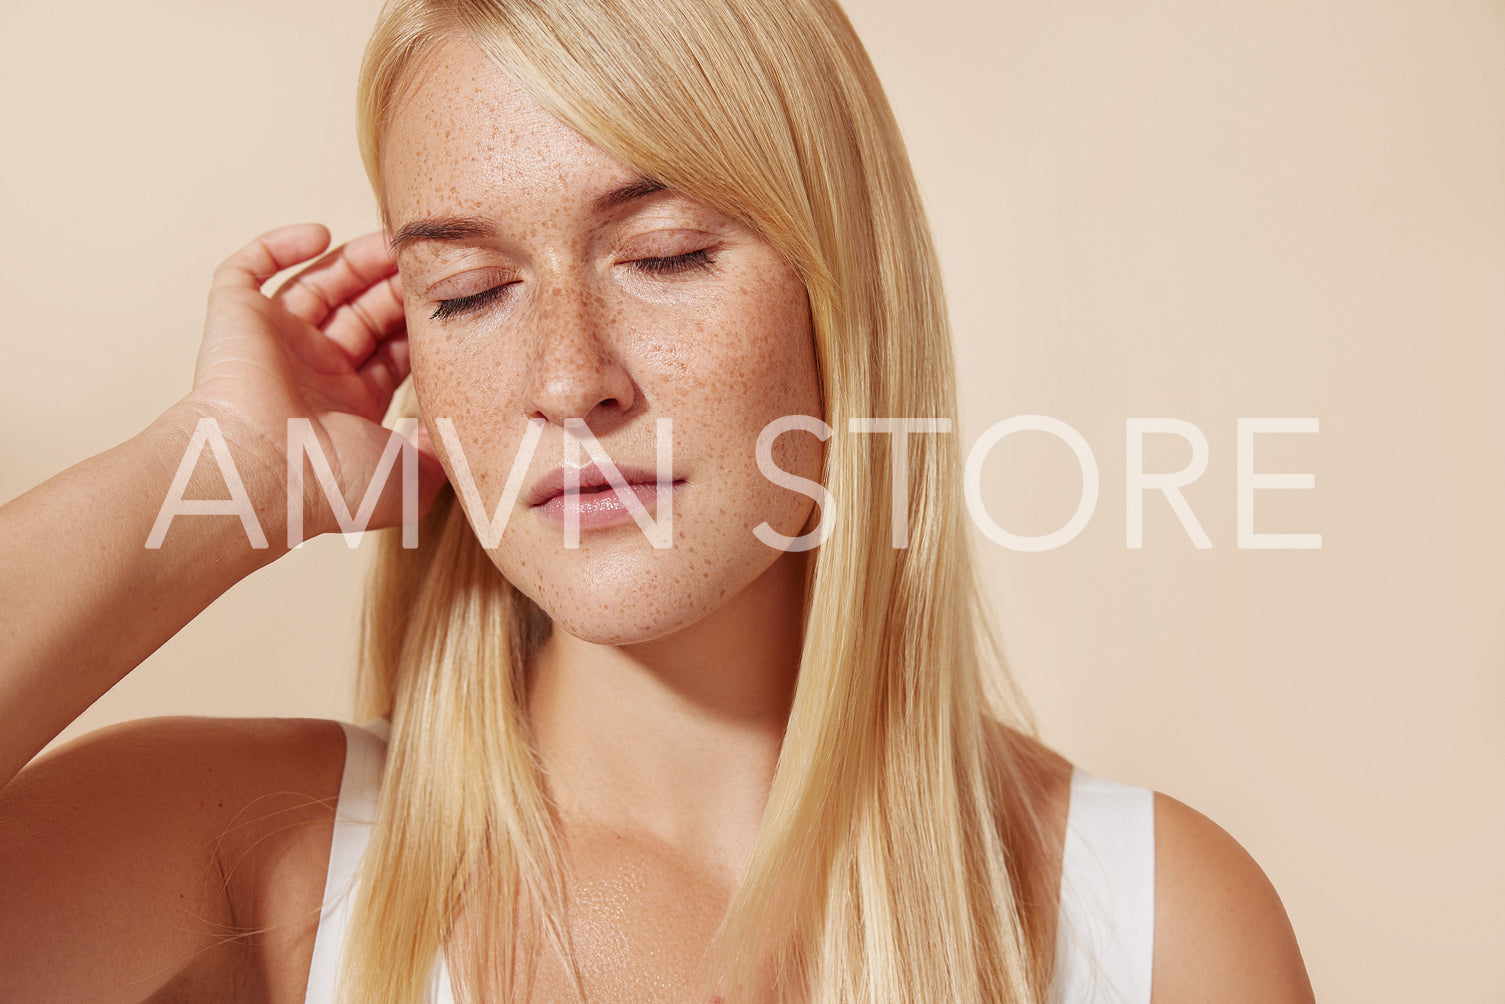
(82, 600)
(1221, 933)
(132, 858)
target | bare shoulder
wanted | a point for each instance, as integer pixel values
(136, 860)
(233, 749)
(1221, 932)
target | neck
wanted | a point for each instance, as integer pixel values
(674, 739)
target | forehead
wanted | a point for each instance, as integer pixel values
(467, 140)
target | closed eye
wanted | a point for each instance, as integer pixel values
(701, 260)
(465, 304)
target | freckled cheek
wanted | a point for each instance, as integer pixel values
(434, 372)
(453, 382)
(760, 375)
(764, 365)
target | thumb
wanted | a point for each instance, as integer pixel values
(431, 475)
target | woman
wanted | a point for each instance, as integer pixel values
(768, 760)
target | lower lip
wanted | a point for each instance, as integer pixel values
(602, 508)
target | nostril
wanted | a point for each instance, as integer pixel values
(565, 382)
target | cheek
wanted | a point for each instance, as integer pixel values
(455, 382)
(434, 367)
(753, 364)
(768, 372)
(752, 357)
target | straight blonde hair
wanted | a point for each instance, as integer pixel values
(900, 856)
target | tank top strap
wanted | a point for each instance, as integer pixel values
(1106, 935)
(360, 785)
(365, 755)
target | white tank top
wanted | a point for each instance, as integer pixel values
(1107, 912)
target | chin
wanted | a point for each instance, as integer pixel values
(625, 603)
(615, 617)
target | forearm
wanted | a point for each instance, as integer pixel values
(83, 600)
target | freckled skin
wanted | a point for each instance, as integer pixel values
(583, 332)
(658, 704)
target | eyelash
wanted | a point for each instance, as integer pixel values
(700, 260)
(695, 260)
(464, 304)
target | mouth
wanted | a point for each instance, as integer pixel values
(591, 482)
(597, 503)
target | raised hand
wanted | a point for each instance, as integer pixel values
(84, 598)
(329, 346)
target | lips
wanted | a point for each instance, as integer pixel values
(592, 480)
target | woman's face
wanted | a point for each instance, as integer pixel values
(544, 281)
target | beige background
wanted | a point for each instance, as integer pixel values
(1187, 210)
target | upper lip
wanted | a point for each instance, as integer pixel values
(591, 476)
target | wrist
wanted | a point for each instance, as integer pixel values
(207, 454)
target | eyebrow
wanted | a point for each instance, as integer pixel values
(638, 188)
(465, 228)
(442, 228)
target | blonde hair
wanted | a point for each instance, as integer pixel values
(900, 853)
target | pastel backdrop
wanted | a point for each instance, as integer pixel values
(1171, 210)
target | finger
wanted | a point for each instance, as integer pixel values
(423, 441)
(340, 276)
(364, 322)
(386, 368)
(269, 254)
(431, 474)
(392, 509)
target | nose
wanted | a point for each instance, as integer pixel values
(575, 370)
